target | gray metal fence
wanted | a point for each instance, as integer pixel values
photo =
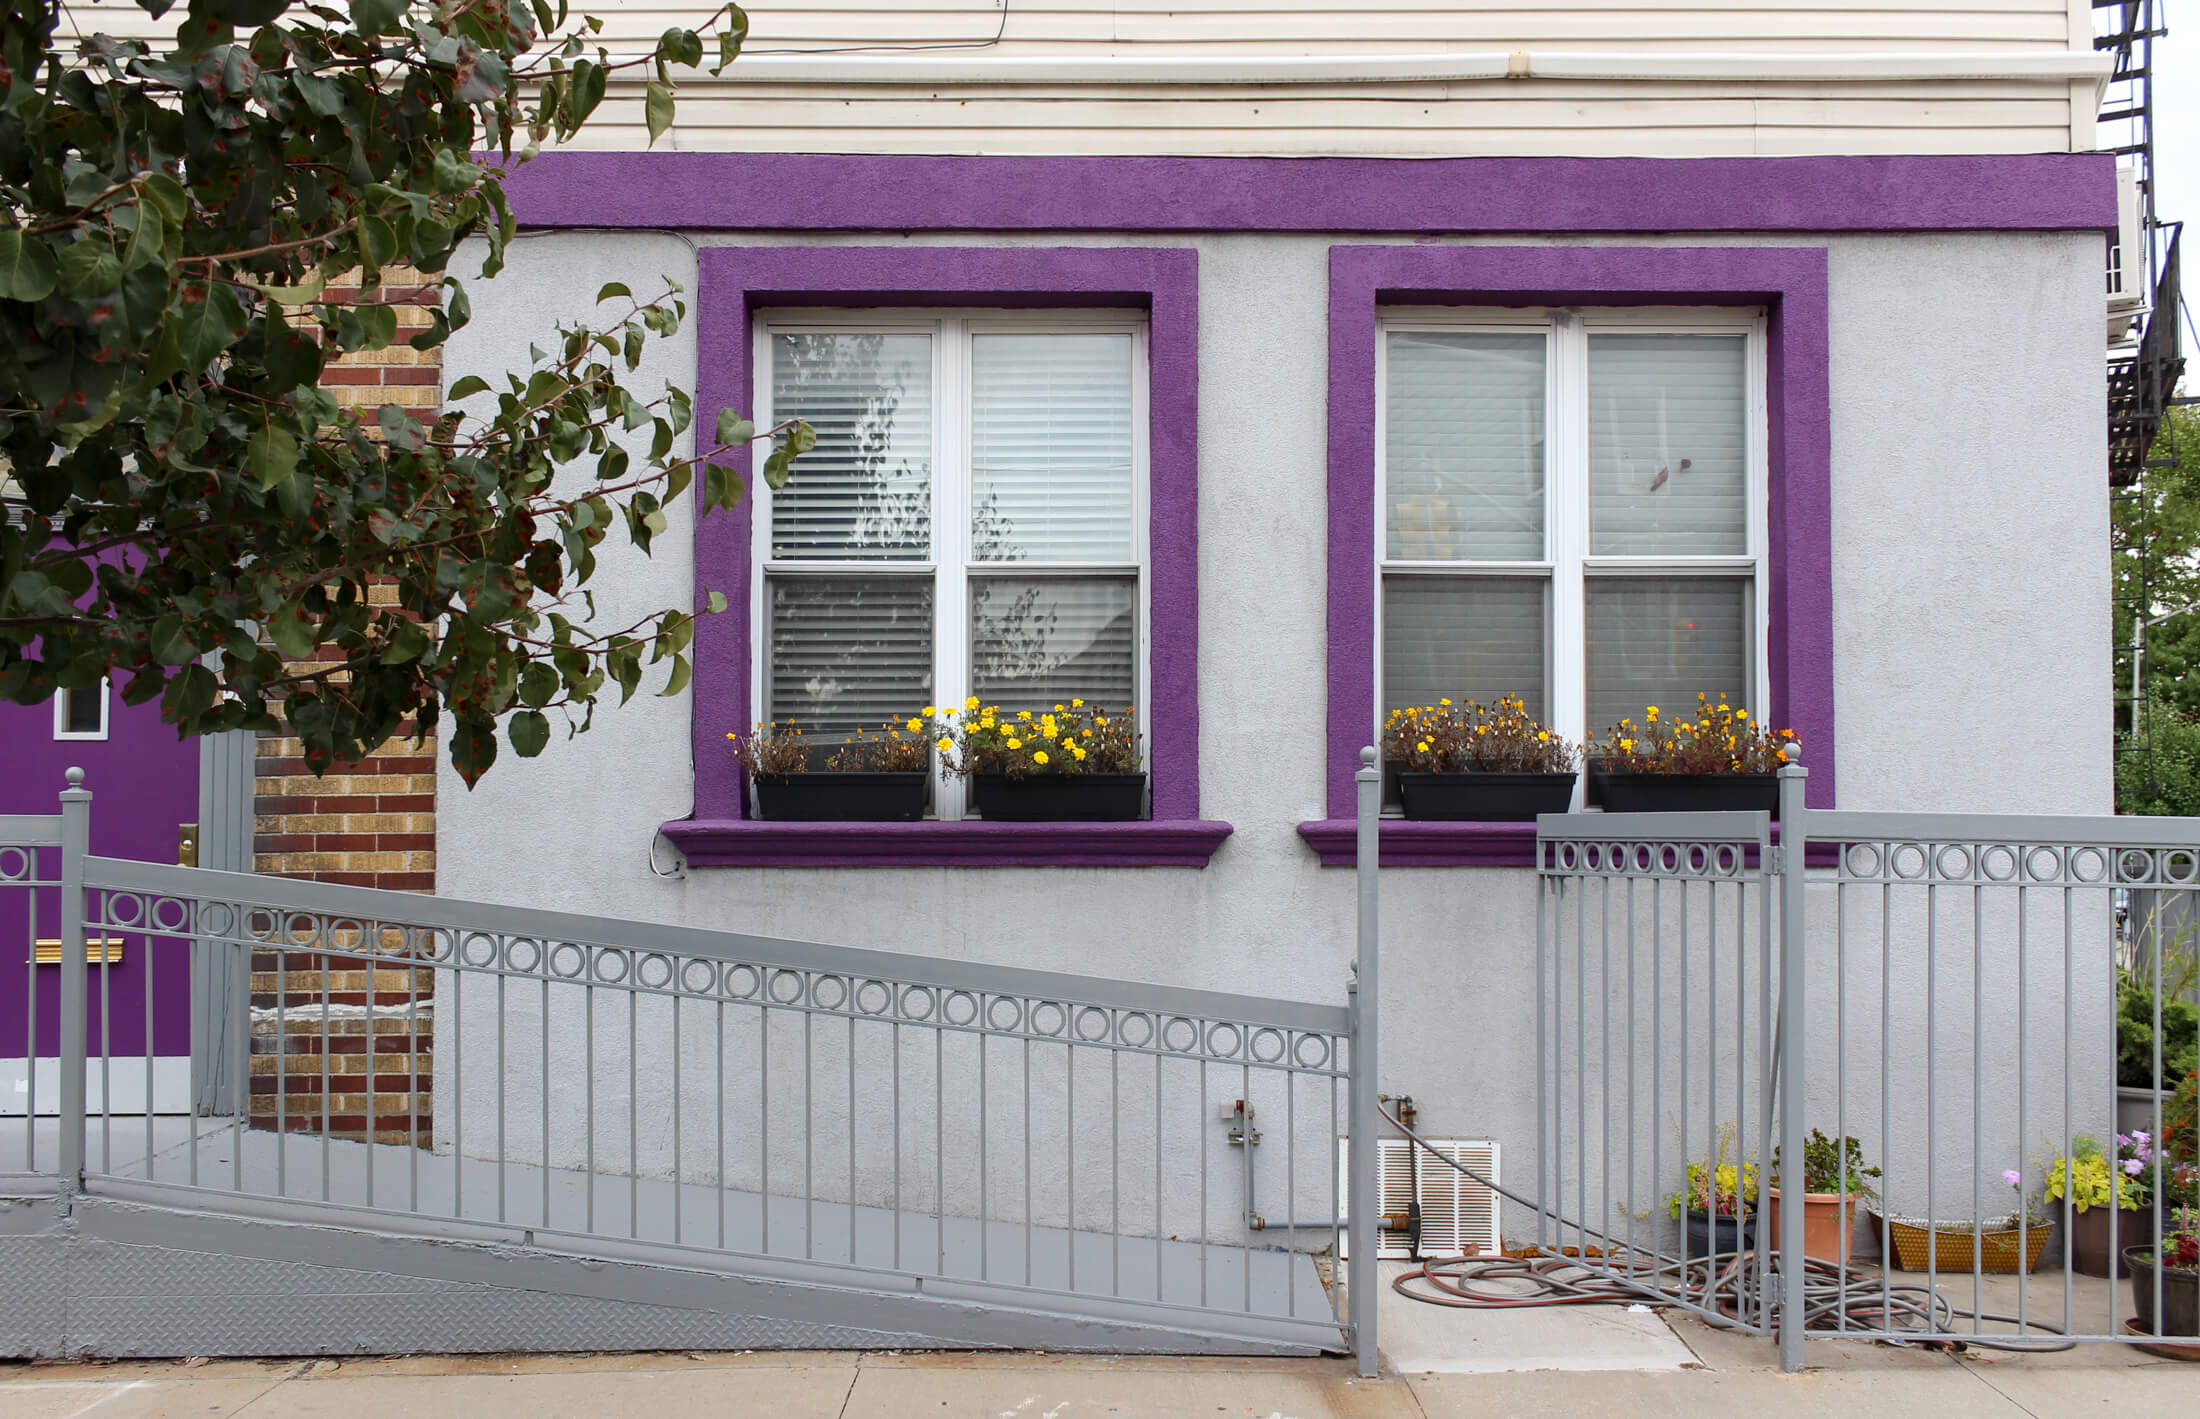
(1941, 987)
(1022, 1140)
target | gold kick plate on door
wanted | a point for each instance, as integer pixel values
(46, 951)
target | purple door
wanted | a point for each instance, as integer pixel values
(145, 788)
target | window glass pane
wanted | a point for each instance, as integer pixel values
(1038, 640)
(849, 653)
(1463, 446)
(866, 490)
(1662, 641)
(80, 711)
(1051, 448)
(1463, 638)
(1667, 472)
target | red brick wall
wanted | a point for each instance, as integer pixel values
(370, 824)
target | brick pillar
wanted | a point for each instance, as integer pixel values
(354, 1043)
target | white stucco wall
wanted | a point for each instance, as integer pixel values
(1971, 660)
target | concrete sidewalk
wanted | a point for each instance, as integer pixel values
(1728, 1375)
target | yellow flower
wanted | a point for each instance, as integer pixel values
(1057, 707)
(1040, 757)
(1101, 720)
(916, 724)
(1023, 714)
(731, 735)
(1443, 702)
(930, 710)
(1652, 711)
(1015, 743)
(1076, 704)
(1088, 734)
(1422, 747)
(986, 723)
(946, 744)
(1080, 755)
(971, 703)
(1543, 737)
(1068, 743)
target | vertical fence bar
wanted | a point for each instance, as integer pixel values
(1794, 849)
(76, 836)
(1366, 1001)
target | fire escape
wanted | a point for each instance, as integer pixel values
(2146, 354)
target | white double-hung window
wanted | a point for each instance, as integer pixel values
(972, 520)
(1572, 509)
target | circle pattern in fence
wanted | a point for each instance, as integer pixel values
(1070, 1023)
(1703, 861)
(2019, 864)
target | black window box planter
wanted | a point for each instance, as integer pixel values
(1685, 793)
(841, 797)
(1060, 798)
(1484, 797)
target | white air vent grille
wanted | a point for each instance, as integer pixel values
(1458, 1214)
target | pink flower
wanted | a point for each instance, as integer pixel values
(2012, 1177)
(2133, 1167)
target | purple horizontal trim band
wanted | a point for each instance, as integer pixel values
(1411, 844)
(1423, 844)
(727, 842)
(881, 193)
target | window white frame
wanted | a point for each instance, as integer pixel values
(1567, 564)
(61, 730)
(952, 332)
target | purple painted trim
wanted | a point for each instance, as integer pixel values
(878, 193)
(1790, 281)
(737, 281)
(731, 843)
(1414, 844)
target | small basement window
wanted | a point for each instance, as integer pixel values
(81, 714)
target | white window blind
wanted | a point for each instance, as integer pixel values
(1667, 447)
(865, 491)
(970, 522)
(1044, 640)
(849, 653)
(1465, 638)
(1572, 510)
(1051, 448)
(1662, 641)
(1464, 440)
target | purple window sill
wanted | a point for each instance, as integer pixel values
(1423, 844)
(749, 843)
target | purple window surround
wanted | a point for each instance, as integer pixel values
(735, 283)
(1528, 196)
(1789, 281)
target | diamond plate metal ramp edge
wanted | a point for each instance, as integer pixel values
(135, 1279)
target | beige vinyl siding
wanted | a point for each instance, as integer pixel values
(1714, 84)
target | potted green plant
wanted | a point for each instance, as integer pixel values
(1718, 1204)
(2141, 997)
(2005, 1245)
(1720, 761)
(2173, 1265)
(868, 778)
(1478, 763)
(2108, 1201)
(1835, 1182)
(1073, 763)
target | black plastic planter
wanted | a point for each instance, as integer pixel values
(2180, 1294)
(1685, 793)
(1710, 1236)
(1485, 798)
(841, 797)
(1060, 798)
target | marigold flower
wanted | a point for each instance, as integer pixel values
(986, 723)
(1040, 757)
(1101, 720)
(1080, 755)
(1074, 704)
(946, 744)
(916, 724)
(971, 703)
(930, 710)
(1023, 714)
(1015, 743)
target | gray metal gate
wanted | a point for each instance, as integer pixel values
(953, 1153)
(1942, 987)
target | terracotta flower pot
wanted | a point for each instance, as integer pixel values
(1826, 1235)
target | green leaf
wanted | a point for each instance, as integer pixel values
(379, 323)
(374, 17)
(733, 429)
(613, 290)
(716, 601)
(529, 731)
(379, 240)
(211, 320)
(293, 632)
(271, 455)
(657, 108)
(148, 238)
(305, 292)
(467, 387)
(89, 268)
(682, 672)
(26, 267)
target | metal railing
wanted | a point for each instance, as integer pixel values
(1942, 987)
(1025, 1140)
